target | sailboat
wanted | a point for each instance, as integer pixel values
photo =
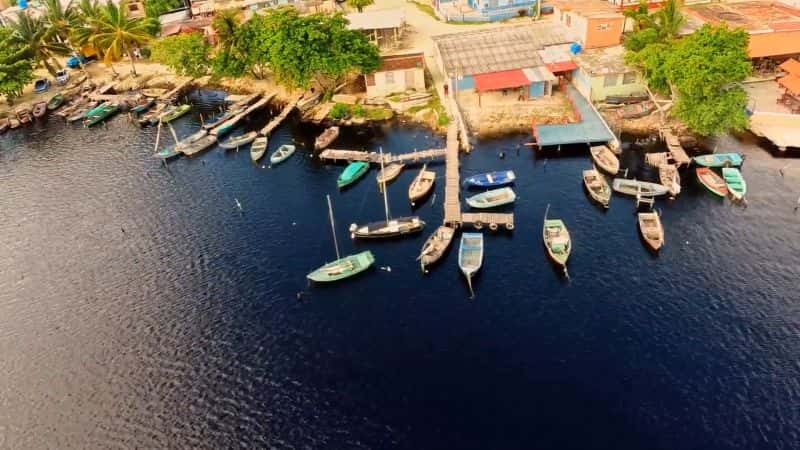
(389, 227)
(343, 267)
(470, 256)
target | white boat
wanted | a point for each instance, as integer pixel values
(605, 159)
(636, 187)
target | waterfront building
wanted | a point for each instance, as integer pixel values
(384, 28)
(591, 23)
(602, 72)
(397, 74)
(482, 10)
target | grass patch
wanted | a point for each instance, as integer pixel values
(341, 111)
(378, 113)
(427, 9)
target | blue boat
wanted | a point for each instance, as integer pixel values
(142, 107)
(491, 179)
(719, 160)
(470, 256)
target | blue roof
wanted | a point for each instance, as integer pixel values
(591, 130)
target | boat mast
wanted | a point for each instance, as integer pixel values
(383, 186)
(333, 228)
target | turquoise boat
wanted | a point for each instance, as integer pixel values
(174, 113)
(167, 153)
(351, 173)
(101, 113)
(719, 160)
(737, 187)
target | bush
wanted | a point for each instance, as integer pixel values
(358, 111)
(339, 111)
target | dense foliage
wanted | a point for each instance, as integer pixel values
(359, 4)
(155, 8)
(16, 66)
(39, 38)
(186, 54)
(116, 34)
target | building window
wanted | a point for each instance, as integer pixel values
(569, 21)
(610, 80)
(602, 27)
(370, 79)
(629, 78)
(389, 77)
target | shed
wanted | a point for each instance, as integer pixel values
(397, 74)
(383, 27)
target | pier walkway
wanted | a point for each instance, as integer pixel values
(375, 158)
(277, 120)
(591, 128)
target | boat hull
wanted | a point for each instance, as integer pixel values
(491, 179)
(436, 246)
(734, 180)
(238, 141)
(634, 187)
(101, 116)
(492, 199)
(557, 241)
(352, 173)
(258, 149)
(343, 268)
(719, 160)
(712, 182)
(384, 230)
(283, 153)
(651, 231)
(597, 187)
(605, 159)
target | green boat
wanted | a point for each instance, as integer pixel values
(351, 173)
(737, 187)
(56, 101)
(101, 114)
(174, 113)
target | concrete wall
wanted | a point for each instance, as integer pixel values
(582, 83)
(604, 32)
(398, 83)
(600, 91)
(536, 89)
(574, 24)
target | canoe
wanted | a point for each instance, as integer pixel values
(167, 153)
(69, 110)
(223, 117)
(174, 113)
(4, 124)
(326, 138)
(238, 141)
(435, 246)
(493, 198)
(389, 173)
(605, 159)
(387, 229)
(597, 186)
(55, 102)
(669, 178)
(626, 99)
(198, 145)
(80, 113)
(153, 92)
(189, 140)
(13, 123)
(491, 179)
(713, 182)
(142, 107)
(470, 256)
(282, 154)
(635, 187)
(228, 125)
(651, 229)
(342, 268)
(734, 180)
(719, 160)
(39, 109)
(102, 114)
(151, 117)
(351, 173)
(421, 185)
(636, 111)
(24, 115)
(556, 240)
(258, 148)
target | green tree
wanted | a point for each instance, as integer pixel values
(16, 66)
(360, 4)
(116, 34)
(668, 20)
(186, 54)
(155, 8)
(640, 16)
(39, 38)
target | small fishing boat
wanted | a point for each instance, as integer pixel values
(389, 173)
(719, 160)
(167, 153)
(344, 267)
(651, 229)
(711, 181)
(191, 139)
(143, 106)
(24, 115)
(55, 102)
(239, 141)
(151, 117)
(153, 92)
(282, 154)
(227, 125)
(635, 111)
(435, 246)
(95, 107)
(626, 99)
(62, 77)
(174, 113)
(636, 187)
(70, 110)
(198, 145)
(470, 256)
(258, 148)
(326, 138)
(556, 240)
(491, 179)
(41, 85)
(223, 117)
(4, 125)
(605, 159)
(669, 178)
(597, 186)
(39, 109)
(493, 198)
(102, 114)
(351, 173)
(734, 180)
(421, 185)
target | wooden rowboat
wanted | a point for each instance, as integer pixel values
(605, 159)
(636, 111)
(711, 181)
(491, 179)
(101, 114)
(389, 173)
(153, 92)
(39, 109)
(326, 138)
(55, 102)
(470, 256)
(282, 154)
(493, 198)
(557, 241)
(435, 246)
(151, 117)
(174, 113)
(651, 229)
(238, 141)
(198, 145)
(421, 185)
(597, 186)
(734, 180)
(669, 178)
(719, 160)
(636, 187)
(258, 148)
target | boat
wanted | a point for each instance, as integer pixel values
(326, 138)
(351, 173)
(13, 123)
(238, 141)
(24, 115)
(669, 178)
(626, 99)
(597, 186)
(102, 114)
(153, 92)
(344, 267)
(605, 159)
(41, 85)
(651, 229)
(55, 102)
(493, 198)
(198, 145)
(556, 240)
(282, 154)
(389, 173)
(734, 180)
(62, 77)
(435, 246)
(635, 111)
(143, 106)
(70, 110)
(636, 187)
(174, 113)
(151, 117)
(39, 109)
(713, 182)
(491, 179)
(80, 112)
(421, 185)
(470, 256)
(4, 125)
(228, 125)
(191, 139)
(258, 148)
(167, 153)
(719, 160)
(223, 117)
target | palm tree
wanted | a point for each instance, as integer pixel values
(116, 34)
(225, 24)
(640, 16)
(669, 19)
(38, 36)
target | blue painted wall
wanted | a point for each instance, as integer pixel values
(505, 9)
(536, 89)
(466, 82)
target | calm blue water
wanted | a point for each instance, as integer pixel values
(140, 308)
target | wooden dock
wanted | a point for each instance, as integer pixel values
(676, 152)
(277, 120)
(375, 158)
(173, 94)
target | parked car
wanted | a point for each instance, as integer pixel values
(41, 85)
(76, 60)
(62, 76)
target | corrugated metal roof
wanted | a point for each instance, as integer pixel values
(536, 74)
(497, 49)
(376, 20)
(506, 79)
